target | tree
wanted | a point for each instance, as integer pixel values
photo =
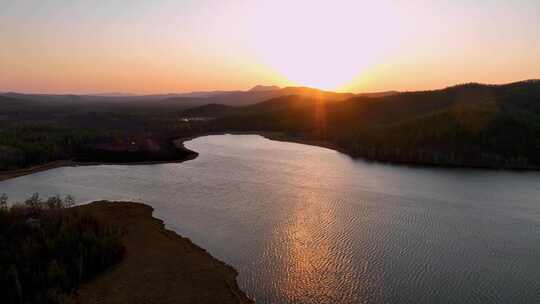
(13, 275)
(3, 201)
(34, 201)
(54, 202)
(69, 201)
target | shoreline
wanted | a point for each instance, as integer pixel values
(276, 136)
(6, 175)
(160, 266)
(283, 137)
(178, 144)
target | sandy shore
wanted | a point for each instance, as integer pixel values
(159, 267)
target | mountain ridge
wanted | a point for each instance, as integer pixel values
(490, 126)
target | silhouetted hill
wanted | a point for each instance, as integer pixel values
(192, 99)
(260, 88)
(243, 98)
(377, 94)
(113, 94)
(101, 103)
(204, 94)
(466, 125)
(270, 105)
(209, 110)
(11, 101)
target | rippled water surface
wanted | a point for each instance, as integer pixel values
(305, 224)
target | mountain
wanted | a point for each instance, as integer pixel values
(113, 94)
(204, 94)
(243, 98)
(262, 88)
(233, 98)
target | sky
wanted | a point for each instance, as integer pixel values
(151, 47)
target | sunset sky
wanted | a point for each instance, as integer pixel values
(58, 46)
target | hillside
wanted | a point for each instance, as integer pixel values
(263, 93)
(495, 126)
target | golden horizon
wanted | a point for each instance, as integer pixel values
(157, 47)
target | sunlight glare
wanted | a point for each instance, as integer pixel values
(322, 44)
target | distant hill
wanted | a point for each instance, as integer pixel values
(466, 125)
(377, 94)
(260, 88)
(233, 98)
(204, 94)
(243, 98)
(113, 94)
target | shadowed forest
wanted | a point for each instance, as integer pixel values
(48, 250)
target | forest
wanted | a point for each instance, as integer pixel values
(48, 249)
(35, 132)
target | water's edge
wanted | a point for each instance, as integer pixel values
(149, 228)
(189, 155)
(179, 144)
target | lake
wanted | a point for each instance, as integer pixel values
(305, 224)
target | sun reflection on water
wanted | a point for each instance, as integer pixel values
(314, 267)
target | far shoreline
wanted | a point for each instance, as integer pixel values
(276, 136)
(188, 155)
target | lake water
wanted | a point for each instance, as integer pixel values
(305, 224)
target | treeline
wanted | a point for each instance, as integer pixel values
(37, 132)
(28, 144)
(48, 249)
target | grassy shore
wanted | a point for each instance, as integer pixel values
(159, 267)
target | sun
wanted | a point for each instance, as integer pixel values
(322, 44)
